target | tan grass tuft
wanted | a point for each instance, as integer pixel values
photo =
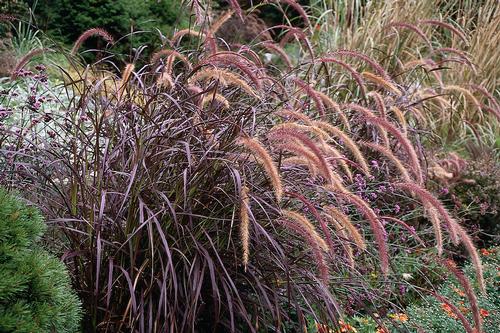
(380, 81)
(345, 222)
(294, 216)
(127, 72)
(209, 99)
(245, 224)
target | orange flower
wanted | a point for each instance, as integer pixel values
(346, 327)
(402, 317)
(485, 252)
(448, 310)
(459, 292)
(484, 313)
(380, 330)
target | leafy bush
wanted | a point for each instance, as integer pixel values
(433, 315)
(35, 292)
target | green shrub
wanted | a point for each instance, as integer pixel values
(433, 316)
(35, 293)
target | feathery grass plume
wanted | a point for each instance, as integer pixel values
(380, 81)
(379, 102)
(225, 77)
(429, 65)
(428, 199)
(493, 101)
(331, 105)
(375, 224)
(127, 71)
(245, 49)
(198, 10)
(236, 7)
(165, 80)
(266, 161)
(301, 160)
(297, 33)
(24, 61)
(328, 149)
(460, 54)
(389, 155)
(411, 27)
(335, 215)
(176, 38)
(304, 221)
(303, 231)
(89, 33)
(469, 291)
(291, 114)
(345, 245)
(401, 118)
(433, 215)
(448, 26)
(355, 54)
(354, 73)
(244, 224)
(311, 93)
(171, 54)
(298, 8)
(473, 253)
(411, 230)
(229, 58)
(209, 99)
(353, 147)
(273, 47)
(220, 21)
(311, 128)
(368, 115)
(310, 207)
(283, 134)
(456, 312)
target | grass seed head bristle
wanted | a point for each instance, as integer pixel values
(354, 73)
(353, 147)
(448, 26)
(469, 292)
(273, 47)
(220, 21)
(170, 54)
(210, 98)
(466, 93)
(225, 77)
(176, 38)
(345, 222)
(390, 155)
(380, 81)
(355, 54)
(413, 28)
(311, 93)
(24, 61)
(89, 33)
(304, 221)
(328, 149)
(299, 9)
(266, 161)
(245, 224)
(127, 72)
(433, 216)
(375, 224)
(332, 105)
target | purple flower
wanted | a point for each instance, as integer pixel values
(397, 209)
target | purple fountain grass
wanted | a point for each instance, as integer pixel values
(355, 74)
(448, 26)
(298, 8)
(386, 152)
(469, 291)
(245, 224)
(381, 82)
(375, 224)
(344, 221)
(332, 105)
(355, 54)
(456, 312)
(25, 60)
(312, 94)
(90, 33)
(413, 28)
(214, 27)
(266, 161)
(273, 47)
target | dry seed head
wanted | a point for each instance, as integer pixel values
(380, 81)
(266, 161)
(401, 118)
(299, 218)
(389, 155)
(413, 28)
(433, 215)
(127, 71)
(330, 104)
(355, 54)
(273, 47)
(220, 21)
(356, 76)
(466, 93)
(225, 77)
(353, 147)
(344, 221)
(181, 33)
(311, 93)
(89, 33)
(345, 245)
(244, 224)
(289, 113)
(209, 99)
(448, 26)
(299, 9)
(24, 60)
(329, 149)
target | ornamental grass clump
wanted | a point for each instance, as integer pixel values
(209, 190)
